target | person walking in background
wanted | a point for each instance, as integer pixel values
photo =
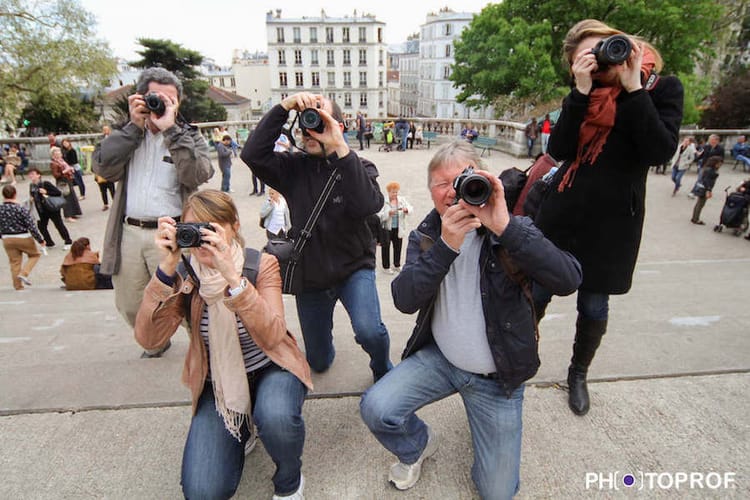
(361, 127)
(18, 233)
(71, 158)
(275, 215)
(474, 332)
(158, 161)
(610, 131)
(704, 187)
(681, 162)
(245, 366)
(64, 175)
(393, 219)
(402, 131)
(38, 189)
(224, 153)
(546, 131)
(532, 129)
(12, 163)
(711, 148)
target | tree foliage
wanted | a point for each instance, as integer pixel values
(730, 104)
(47, 48)
(490, 62)
(61, 113)
(195, 106)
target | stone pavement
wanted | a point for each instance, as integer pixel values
(82, 417)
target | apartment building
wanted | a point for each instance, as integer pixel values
(343, 58)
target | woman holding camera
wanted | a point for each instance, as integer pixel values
(242, 364)
(619, 118)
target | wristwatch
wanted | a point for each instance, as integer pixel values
(233, 292)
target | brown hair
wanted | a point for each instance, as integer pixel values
(593, 27)
(212, 205)
(455, 149)
(78, 246)
(9, 192)
(714, 162)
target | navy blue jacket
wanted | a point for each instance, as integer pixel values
(508, 315)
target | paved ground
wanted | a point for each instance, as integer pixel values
(82, 417)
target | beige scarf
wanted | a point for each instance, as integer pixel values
(231, 390)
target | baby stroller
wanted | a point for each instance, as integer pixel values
(388, 137)
(734, 213)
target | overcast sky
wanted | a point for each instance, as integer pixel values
(214, 28)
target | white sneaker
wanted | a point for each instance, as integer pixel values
(251, 441)
(297, 495)
(404, 476)
(66, 248)
(24, 280)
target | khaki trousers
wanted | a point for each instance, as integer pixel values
(15, 248)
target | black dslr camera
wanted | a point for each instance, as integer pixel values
(473, 188)
(189, 234)
(612, 50)
(155, 104)
(310, 118)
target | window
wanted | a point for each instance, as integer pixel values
(222, 82)
(298, 57)
(363, 57)
(314, 57)
(380, 99)
(380, 79)
(282, 79)
(362, 35)
(446, 72)
(280, 35)
(347, 79)
(348, 100)
(380, 37)
(363, 78)
(448, 50)
(313, 35)
(297, 35)
(345, 35)
(282, 58)
(332, 96)
(329, 35)
(331, 79)
(284, 95)
(347, 57)
(363, 99)
(299, 80)
(232, 82)
(329, 58)
(380, 58)
(315, 79)
(447, 29)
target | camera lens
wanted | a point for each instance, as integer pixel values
(310, 119)
(473, 188)
(188, 236)
(155, 104)
(618, 49)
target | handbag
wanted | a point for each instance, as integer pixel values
(289, 250)
(64, 188)
(52, 203)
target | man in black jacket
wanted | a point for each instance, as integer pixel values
(338, 260)
(475, 331)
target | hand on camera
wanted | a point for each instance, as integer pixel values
(583, 66)
(167, 120)
(166, 242)
(138, 110)
(456, 222)
(493, 214)
(630, 71)
(216, 242)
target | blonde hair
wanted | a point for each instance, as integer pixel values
(451, 151)
(53, 150)
(593, 27)
(212, 205)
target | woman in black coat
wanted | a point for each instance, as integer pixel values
(618, 120)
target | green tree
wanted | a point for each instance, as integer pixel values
(195, 106)
(61, 113)
(47, 47)
(730, 103)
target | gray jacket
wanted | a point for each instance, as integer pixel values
(189, 152)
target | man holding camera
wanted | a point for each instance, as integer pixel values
(338, 259)
(468, 271)
(158, 161)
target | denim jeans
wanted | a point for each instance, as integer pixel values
(590, 305)
(677, 175)
(359, 296)
(388, 409)
(213, 459)
(226, 175)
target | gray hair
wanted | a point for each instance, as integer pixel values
(158, 75)
(458, 150)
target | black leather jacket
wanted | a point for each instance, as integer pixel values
(508, 315)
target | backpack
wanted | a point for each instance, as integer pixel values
(249, 271)
(513, 179)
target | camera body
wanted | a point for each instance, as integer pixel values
(473, 188)
(188, 234)
(309, 118)
(612, 50)
(155, 104)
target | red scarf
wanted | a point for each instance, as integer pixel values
(600, 117)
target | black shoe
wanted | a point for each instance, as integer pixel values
(158, 353)
(578, 395)
(747, 237)
(699, 222)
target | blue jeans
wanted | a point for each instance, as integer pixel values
(677, 177)
(213, 460)
(590, 305)
(226, 175)
(403, 131)
(359, 296)
(388, 409)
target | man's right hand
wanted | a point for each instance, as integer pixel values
(456, 222)
(302, 100)
(138, 110)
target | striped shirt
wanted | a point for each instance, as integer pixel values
(254, 357)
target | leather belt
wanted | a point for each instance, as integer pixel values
(145, 224)
(487, 376)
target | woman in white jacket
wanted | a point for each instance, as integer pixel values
(393, 218)
(681, 161)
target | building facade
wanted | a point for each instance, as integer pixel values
(408, 71)
(343, 58)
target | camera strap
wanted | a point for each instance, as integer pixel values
(306, 232)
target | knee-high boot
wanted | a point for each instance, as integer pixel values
(589, 334)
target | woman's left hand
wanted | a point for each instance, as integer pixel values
(216, 242)
(630, 71)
